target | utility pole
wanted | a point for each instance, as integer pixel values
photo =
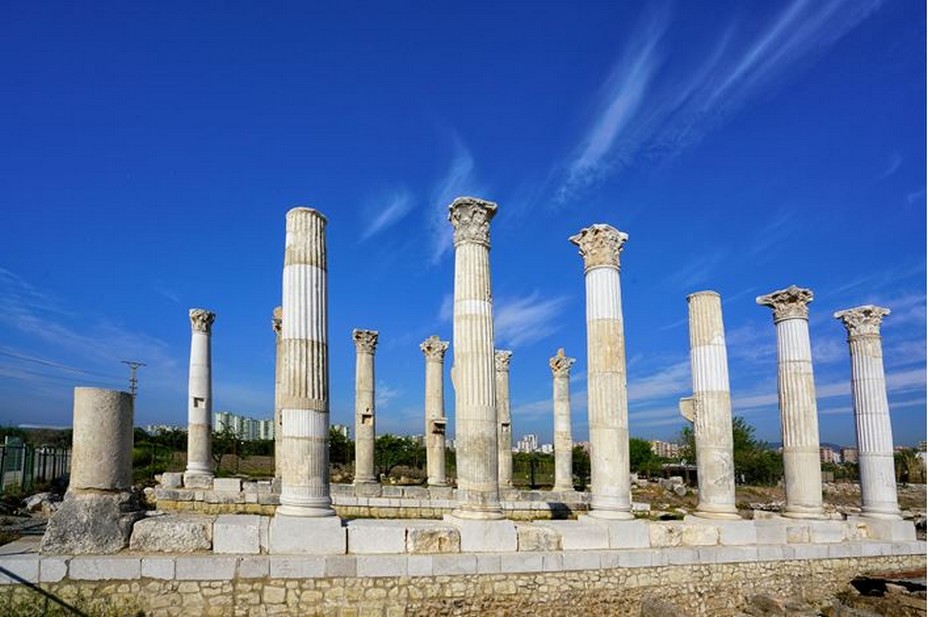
(133, 380)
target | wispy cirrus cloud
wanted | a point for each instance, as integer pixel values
(673, 380)
(458, 180)
(398, 205)
(892, 166)
(527, 319)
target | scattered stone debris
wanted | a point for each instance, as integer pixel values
(655, 607)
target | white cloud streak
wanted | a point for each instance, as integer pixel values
(398, 205)
(525, 320)
(458, 181)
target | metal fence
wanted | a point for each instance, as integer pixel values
(23, 466)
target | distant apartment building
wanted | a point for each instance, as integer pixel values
(342, 429)
(243, 427)
(546, 448)
(528, 443)
(827, 455)
(665, 449)
(157, 429)
(849, 455)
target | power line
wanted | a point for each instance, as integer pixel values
(56, 365)
(133, 380)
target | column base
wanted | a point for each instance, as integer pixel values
(562, 489)
(305, 511)
(720, 515)
(611, 515)
(370, 480)
(477, 515)
(804, 513)
(91, 522)
(437, 484)
(883, 515)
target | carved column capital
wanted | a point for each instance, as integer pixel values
(600, 245)
(277, 320)
(789, 303)
(201, 320)
(560, 364)
(365, 340)
(434, 348)
(503, 357)
(862, 321)
(471, 220)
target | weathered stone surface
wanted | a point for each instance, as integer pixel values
(374, 536)
(172, 479)
(238, 534)
(91, 523)
(482, 536)
(429, 540)
(173, 533)
(534, 538)
(307, 535)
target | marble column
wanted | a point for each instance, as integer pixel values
(709, 409)
(871, 412)
(304, 384)
(276, 321)
(504, 416)
(365, 342)
(563, 439)
(435, 421)
(199, 471)
(798, 408)
(473, 372)
(610, 472)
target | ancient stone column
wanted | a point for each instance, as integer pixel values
(563, 439)
(276, 321)
(199, 471)
(435, 421)
(871, 412)
(710, 407)
(365, 342)
(473, 372)
(504, 416)
(798, 408)
(99, 508)
(610, 480)
(304, 385)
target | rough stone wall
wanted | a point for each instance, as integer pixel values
(698, 590)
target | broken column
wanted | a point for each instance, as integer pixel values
(798, 409)
(365, 342)
(473, 372)
(709, 409)
(435, 421)
(504, 416)
(276, 321)
(99, 508)
(563, 439)
(199, 473)
(610, 480)
(871, 412)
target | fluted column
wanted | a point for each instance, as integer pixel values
(473, 372)
(710, 407)
(504, 416)
(871, 412)
(600, 246)
(276, 321)
(304, 386)
(365, 342)
(435, 421)
(798, 408)
(199, 399)
(563, 439)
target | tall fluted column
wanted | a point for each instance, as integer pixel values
(276, 321)
(435, 421)
(304, 387)
(199, 400)
(365, 342)
(473, 372)
(871, 412)
(600, 246)
(710, 407)
(504, 416)
(563, 439)
(798, 408)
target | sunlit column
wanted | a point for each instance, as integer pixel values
(563, 439)
(504, 416)
(276, 321)
(435, 421)
(199, 400)
(365, 342)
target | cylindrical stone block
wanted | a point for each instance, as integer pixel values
(504, 415)
(304, 391)
(474, 372)
(798, 408)
(200, 397)
(712, 423)
(563, 439)
(610, 473)
(435, 421)
(101, 451)
(871, 412)
(276, 324)
(364, 431)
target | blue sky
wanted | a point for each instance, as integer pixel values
(151, 151)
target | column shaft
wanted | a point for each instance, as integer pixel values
(276, 321)
(200, 397)
(435, 421)
(101, 456)
(563, 438)
(504, 414)
(364, 417)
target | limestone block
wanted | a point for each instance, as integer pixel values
(391, 491)
(376, 536)
(582, 560)
(381, 565)
(419, 565)
(91, 523)
(454, 564)
(627, 534)
(198, 481)
(516, 563)
(826, 531)
(23, 566)
(680, 556)
(52, 570)
(368, 489)
(205, 568)
(227, 485)
(415, 492)
(798, 534)
(441, 493)
(730, 532)
(700, 535)
(481, 536)
(582, 534)
(105, 568)
(237, 533)
(173, 533)
(170, 494)
(534, 538)
(341, 566)
(161, 568)
(302, 566)
(223, 497)
(172, 479)
(251, 488)
(770, 531)
(307, 535)
(890, 530)
(254, 567)
(433, 539)
(665, 534)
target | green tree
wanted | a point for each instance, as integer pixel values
(391, 451)
(755, 461)
(581, 467)
(341, 448)
(641, 458)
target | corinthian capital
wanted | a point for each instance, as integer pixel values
(365, 340)
(789, 303)
(600, 245)
(862, 320)
(560, 364)
(503, 356)
(471, 220)
(201, 320)
(277, 320)
(434, 348)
